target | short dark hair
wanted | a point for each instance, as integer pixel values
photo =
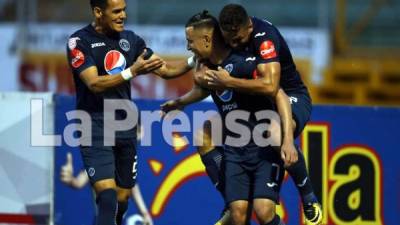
(102, 4)
(232, 17)
(202, 19)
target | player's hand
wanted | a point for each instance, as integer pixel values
(217, 79)
(144, 66)
(170, 106)
(67, 171)
(147, 220)
(289, 154)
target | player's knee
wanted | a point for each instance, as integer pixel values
(203, 139)
(204, 144)
(265, 210)
(238, 213)
(105, 184)
(123, 194)
(202, 150)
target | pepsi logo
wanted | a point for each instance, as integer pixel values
(225, 95)
(114, 62)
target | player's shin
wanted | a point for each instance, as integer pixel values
(298, 172)
(107, 206)
(212, 162)
(275, 221)
(122, 207)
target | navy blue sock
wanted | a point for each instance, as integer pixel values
(212, 162)
(275, 221)
(122, 207)
(107, 207)
(298, 172)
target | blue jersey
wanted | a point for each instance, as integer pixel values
(268, 45)
(241, 65)
(110, 55)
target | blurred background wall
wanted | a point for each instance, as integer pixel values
(346, 50)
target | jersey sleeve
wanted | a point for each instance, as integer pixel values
(140, 45)
(79, 55)
(266, 44)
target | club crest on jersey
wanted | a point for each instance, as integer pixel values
(124, 44)
(225, 95)
(114, 62)
(229, 67)
(72, 42)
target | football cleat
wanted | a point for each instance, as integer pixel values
(313, 213)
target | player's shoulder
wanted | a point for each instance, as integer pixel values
(262, 27)
(258, 22)
(82, 35)
(237, 57)
(131, 35)
(239, 62)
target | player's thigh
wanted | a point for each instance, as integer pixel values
(237, 182)
(268, 176)
(98, 161)
(301, 110)
(205, 138)
(125, 163)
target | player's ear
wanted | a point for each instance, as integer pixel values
(250, 26)
(207, 40)
(98, 13)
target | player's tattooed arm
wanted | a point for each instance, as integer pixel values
(172, 69)
(98, 84)
(266, 84)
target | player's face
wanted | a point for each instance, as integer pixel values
(239, 39)
(113, 17)
(198, 43)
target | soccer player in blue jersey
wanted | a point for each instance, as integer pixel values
(248, 168)
(104, 57)
(277, 70)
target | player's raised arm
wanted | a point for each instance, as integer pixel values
(175, 69)
(266, 84)
(197, 93)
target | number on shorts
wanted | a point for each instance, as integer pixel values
(134, 168)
